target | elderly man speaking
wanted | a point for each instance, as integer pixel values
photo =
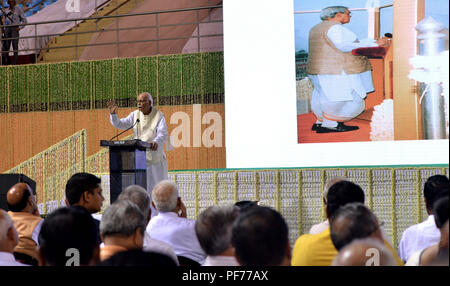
(152, 128)
(341, 80)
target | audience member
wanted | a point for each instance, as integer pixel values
(427, 255)
(172, 226)
(425, 234)
(137, 257)
(318, 228)
(25, 215)
(364, 252)
(442, 257)
(318, 249)
(84, 189)
(214, 228)
(260, 238)
(353, 221)
(68, 238)
(122, 228)
(8, 240)
(140, 197)
(14, 15)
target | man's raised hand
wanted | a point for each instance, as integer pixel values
(383, 42)
(112, 106)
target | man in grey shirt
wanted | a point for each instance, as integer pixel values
(12, 16)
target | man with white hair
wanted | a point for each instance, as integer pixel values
(172, 226)
(341, 80)
(122, 228)
(139, 196)
(149, 125)
(214, 227)
(8, 240)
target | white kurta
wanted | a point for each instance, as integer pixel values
(341, 96)
(156, 172)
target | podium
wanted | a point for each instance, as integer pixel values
(127, 165)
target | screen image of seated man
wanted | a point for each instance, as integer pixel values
(341, 80)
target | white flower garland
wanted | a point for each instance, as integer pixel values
(304, 95)
(382, 123)
(304, 89)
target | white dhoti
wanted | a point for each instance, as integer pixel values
(340, 97)
(155, 174)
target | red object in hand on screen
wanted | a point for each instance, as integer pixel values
(370, 52)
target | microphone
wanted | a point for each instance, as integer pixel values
(137, 121)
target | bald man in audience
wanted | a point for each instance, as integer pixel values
(25, 215)
(172, 226)
(8, 241)
(364, 252)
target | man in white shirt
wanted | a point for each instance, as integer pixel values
(149, 125)
(214, 227)
(439, 250)
(425, 234)
(341, 80)
(171, 224)
(8, 240)
(14, 15)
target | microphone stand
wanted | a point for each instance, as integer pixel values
(137, 121)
